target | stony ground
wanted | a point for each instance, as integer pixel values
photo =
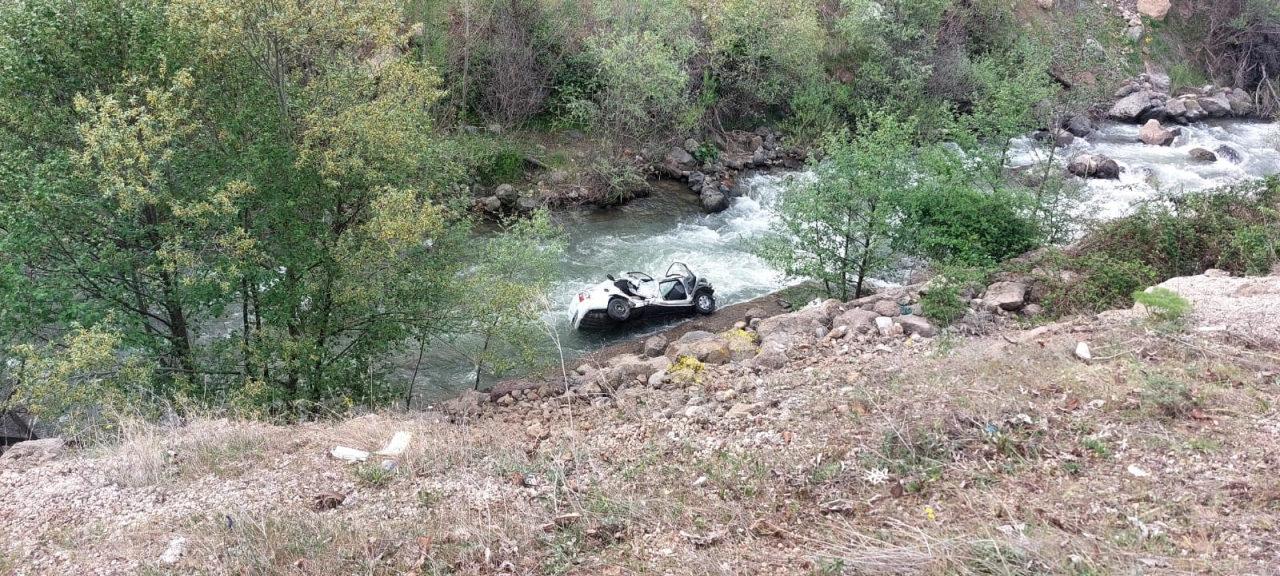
(996, 454)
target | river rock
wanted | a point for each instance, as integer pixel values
(755, 312)
(1006, 295)
(679, 158)
(713, 199)
(1154, 134)
(1134, 106)
(1080, 125)
(1202, 155)
(1176, 110)
(1216, 105)
(1241, 103)
(1154, 9)
(1094, 166)
(1229, 154)
(491, 204)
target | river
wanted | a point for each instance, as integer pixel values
(648, 234)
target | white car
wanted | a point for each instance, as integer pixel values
(635, 294)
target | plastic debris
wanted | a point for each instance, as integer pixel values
(349, 454)
(396, 445)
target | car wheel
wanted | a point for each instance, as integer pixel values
(619, 309)
(704, 303)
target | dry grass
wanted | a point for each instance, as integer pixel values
(980, 457)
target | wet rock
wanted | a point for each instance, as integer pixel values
(1154, 134)
(1094, 166)
(1229, 154)
(1006, 295)
(1080, 125)
(713, 199)
(1202, 155)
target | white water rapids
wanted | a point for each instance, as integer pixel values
(649, 233)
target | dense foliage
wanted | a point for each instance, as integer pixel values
(249, 197)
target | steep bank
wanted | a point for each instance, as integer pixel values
(1003, 453)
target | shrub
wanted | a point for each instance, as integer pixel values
(1104, 283)
(948, 297)
(616, 180)
(1163, 304)
(964, 225)
(1170, 398)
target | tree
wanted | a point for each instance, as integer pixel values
(837, 227)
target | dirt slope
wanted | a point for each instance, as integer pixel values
(1000, 454)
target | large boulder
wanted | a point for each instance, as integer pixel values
(1154, 134)
(1241, 103)
(1135, 106)
(655, 346)
(912, 324)
(713, 198)
(857, 320)
(772, 356)
(702, 346)
(1154, 9)
(1202, 155)
(1216, 105)
(626, 369)
(507, 194)
(1006, 295)
(33, 452)
(1079, 125)
(1094, 166)
(679, 158)
(803, 322)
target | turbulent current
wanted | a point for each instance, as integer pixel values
(650, 233)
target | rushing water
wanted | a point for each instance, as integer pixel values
(646, 234)
(650, 233)
(1149, 170)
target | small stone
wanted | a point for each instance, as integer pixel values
(726, 395)
(172, 553)
(1083, 352)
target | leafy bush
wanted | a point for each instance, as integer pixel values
(1234, 229)
(1163, 304)
(961, 224)
(947, 299)
(616, 180)
(1104, 282)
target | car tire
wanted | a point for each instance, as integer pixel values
(704, 303)
(619, 309)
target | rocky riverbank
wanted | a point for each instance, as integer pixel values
(874, 452)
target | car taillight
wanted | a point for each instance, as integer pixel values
(581, 297)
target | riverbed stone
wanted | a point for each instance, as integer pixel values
(1154, 134)
(1094, 166)
(1202, 155)
(655, 345)
(1229, 154)
(1134, 106)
